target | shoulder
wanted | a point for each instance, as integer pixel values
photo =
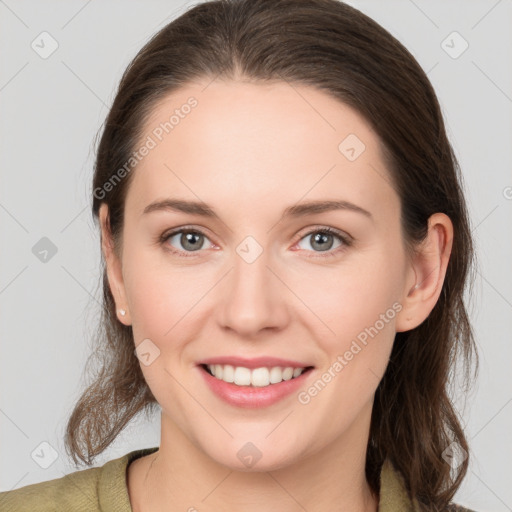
(87, 490)
(76, 491)
(394, 495)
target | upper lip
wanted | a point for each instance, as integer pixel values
(256, 362)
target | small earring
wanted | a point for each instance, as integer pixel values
(122, 311)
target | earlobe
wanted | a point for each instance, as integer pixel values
(113, 267)
(426, 274)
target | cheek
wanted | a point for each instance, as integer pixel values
(349, 298)
(359, 305)
(165, 300)
(338, 302)
(157, 293)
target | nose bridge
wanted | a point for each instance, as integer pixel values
(250, 275)
(252, 300)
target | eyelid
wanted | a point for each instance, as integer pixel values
(344, 238)
(325, 229)
(166, 235)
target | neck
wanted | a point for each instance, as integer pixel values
(182, 476)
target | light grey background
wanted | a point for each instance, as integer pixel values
(51, 110)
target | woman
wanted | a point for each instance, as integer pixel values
(300, 352)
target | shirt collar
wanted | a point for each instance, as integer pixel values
(113, 490)
(393, 492)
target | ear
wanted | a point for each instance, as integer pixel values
(113, 267)
(426, 273)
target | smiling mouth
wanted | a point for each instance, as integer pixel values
(257, 377)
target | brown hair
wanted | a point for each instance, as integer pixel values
(333, 47)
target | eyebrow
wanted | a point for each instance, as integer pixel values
(298, 210)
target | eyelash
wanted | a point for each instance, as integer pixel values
(346, 241)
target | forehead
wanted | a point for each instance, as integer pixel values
(238, 142)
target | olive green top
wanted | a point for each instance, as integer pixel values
(104, 489)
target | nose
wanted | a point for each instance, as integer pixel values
(254, 298)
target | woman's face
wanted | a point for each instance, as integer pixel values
(258, 279)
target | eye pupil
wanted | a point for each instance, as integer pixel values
(187, 241)
(193, 241)
(321, 238)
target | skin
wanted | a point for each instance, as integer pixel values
(249, 151)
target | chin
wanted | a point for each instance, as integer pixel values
(257, 456)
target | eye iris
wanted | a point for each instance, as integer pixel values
(321, 238)
(188, 238)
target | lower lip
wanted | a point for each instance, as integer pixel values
(250, 396)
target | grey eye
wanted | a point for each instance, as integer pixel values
(189, 240)
(321, 240)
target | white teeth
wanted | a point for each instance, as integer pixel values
(276, 375)
(259, 377)
(287, 373)
(219, 370)
(242, 376)
(228, 373)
